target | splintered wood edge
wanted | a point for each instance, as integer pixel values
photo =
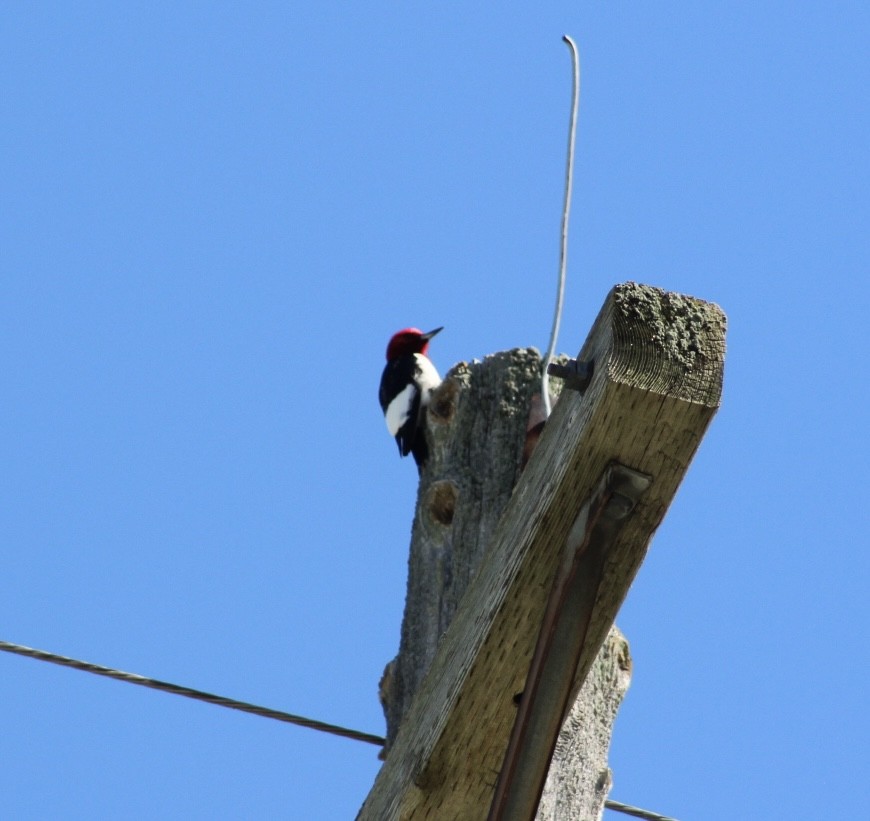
(658, 378)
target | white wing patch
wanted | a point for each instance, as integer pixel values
(427, 376)
(399, 409)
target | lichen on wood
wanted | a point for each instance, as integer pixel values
(476, 428)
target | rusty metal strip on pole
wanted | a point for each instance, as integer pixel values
(546, 698)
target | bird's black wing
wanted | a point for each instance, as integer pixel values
(398, 374)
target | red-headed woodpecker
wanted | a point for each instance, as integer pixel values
(408, 380)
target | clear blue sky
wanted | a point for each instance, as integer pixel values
(214, 215)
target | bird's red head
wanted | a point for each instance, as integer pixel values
(409, 341)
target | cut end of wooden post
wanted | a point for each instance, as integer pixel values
(669, 343)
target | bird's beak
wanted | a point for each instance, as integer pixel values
(428, 336)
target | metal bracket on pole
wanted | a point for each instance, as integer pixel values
(577, 374)
(546, 697)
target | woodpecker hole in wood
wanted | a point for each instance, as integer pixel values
(441, 502)
(442, 405)
(604, 781)
(623, 658)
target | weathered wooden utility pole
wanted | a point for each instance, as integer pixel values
(488, 541)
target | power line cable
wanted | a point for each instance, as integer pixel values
(246, 707)
(637, 812)
(188, 692)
